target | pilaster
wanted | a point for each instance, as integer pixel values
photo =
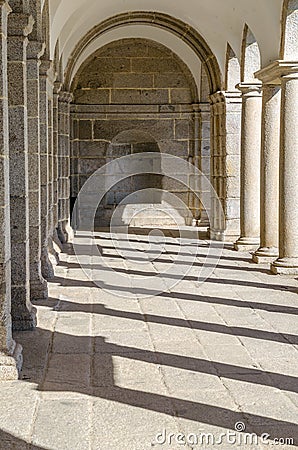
(287, 263)
(65, 231)
(38, 285)
(46, 263)
(23, 314)
(269, 210)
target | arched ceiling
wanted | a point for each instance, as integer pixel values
(179, 47)
(217, 21)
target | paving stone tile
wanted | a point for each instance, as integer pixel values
(63, 424)
(120, 367)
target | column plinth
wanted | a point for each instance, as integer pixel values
(250, 166)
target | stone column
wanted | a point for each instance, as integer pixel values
(57, 242)
(65, 231)
(250, 166)
(46, 263)
(268, 250)
(287, 263)
(10, 352)
(19, 26)
(38, 285)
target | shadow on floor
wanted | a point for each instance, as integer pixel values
(68, 372)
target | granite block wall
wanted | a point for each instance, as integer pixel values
(133, 96)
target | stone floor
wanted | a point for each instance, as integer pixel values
(116, 366)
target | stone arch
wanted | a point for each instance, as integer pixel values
(97, 73)
(289, 31)
(184, 31)
(232, 70)
(250, 56)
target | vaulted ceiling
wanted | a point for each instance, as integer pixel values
(217, 21)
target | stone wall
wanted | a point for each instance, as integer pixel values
(134, 72)
(128, 87)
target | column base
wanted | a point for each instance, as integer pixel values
(39, 290)
(204, 222)
(38, 285)
(57, 244)
(47, 269)
(285, 266)
(222, 235)
(11, 364)
(246, 244)
(26, 321)
(53, 255)
(65, 232)
(265, 255)
(216, 235)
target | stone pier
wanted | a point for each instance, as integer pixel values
(65, 232)
(19, 26)
(269, 191)
(10, 352)
(38, 285)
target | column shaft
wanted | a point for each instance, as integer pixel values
(46, 264)
(287, 263)
(52, 248)
(56, 240)
(38, 285)
(250, 167)
(10, 352)
(268, 250)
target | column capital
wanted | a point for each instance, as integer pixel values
(65, 97)
(251, 89)
(35, 49)
(273, 73)
(224, 96)
(5, 4)
(217, 97)
(20, 24)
